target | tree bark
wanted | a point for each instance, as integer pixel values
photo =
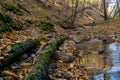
(118, 7)
(105, 11)
(74, 14)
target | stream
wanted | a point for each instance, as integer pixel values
(114, 72)
(105, 66)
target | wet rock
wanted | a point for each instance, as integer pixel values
(101, 51)
(67, 58)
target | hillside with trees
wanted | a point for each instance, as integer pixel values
(59, 39)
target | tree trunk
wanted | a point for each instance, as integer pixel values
(105, 11)
(19, 49)
(74, 14)
(118, 7)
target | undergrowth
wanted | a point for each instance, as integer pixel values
(15, 8)
(7, 24)
(12, 7)
(46, 26)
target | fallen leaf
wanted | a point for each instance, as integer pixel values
(26, 64)
(2, 46)
(9, 73)
(6, 41)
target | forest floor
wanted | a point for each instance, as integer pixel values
(84, 42)
(66, 66)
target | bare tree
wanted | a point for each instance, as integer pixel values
(74, 13)
(105, 10)
(118, 6)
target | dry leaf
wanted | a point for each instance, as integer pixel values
(9, 73)
(43, 42)
(2, 46)
(6, 41)
(71, 65)
(26, 64)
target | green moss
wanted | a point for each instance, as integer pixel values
(42, 11)
(45, 53)
(44, 57)
(26, 45)
(46, 26)
(12, 7)
(7, 24)
(31, 77)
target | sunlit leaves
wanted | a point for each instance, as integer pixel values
(9, 73)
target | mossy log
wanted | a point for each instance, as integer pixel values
(39, 71)
(19, 49)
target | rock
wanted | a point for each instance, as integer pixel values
(77, 40)
(101, 51)
(67, 58)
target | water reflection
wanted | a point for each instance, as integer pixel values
(114, 72)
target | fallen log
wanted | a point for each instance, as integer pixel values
(39, 71)
(19, 49)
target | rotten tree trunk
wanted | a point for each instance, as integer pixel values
(19, 49)
(39, 71)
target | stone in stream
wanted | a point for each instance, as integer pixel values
(101, 51)
(67, 58)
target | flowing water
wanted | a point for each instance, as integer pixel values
(104, 66)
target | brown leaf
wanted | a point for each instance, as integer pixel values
(2, 47)
(9, 73)
(6, 41)
(26, 64)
